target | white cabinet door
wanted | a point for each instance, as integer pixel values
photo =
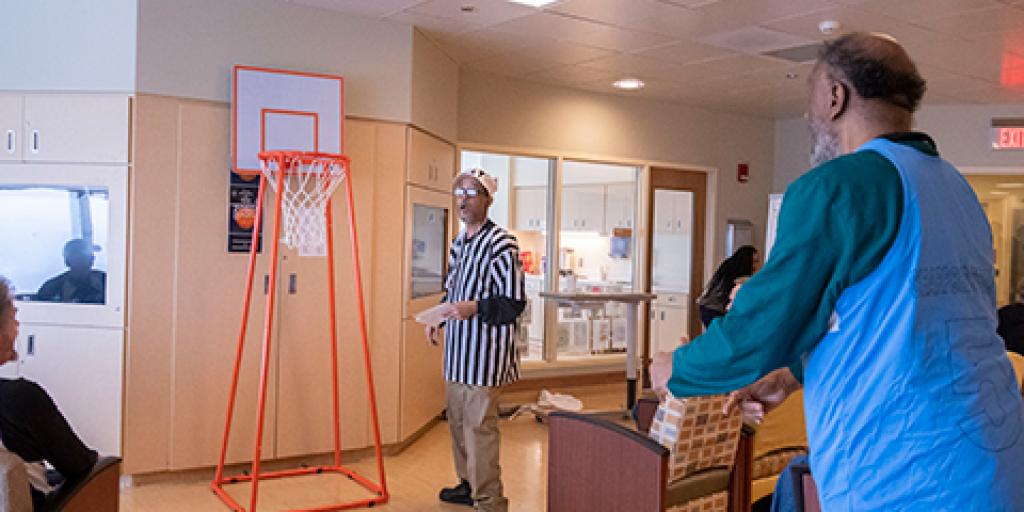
(619, 206)
(583, 208)
(11, 137)
(682, 214)
(81, 368)
(590, 206)
(530, 208)
(671, 323)
(76, 128)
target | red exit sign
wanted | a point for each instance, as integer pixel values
(1008, 137)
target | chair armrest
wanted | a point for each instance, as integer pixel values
(98, 491)
(14, 488)
(597, 466)
(742, 472)
(646, 407)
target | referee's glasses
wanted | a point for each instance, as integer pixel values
(468, 192)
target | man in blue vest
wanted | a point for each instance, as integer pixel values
(879, 297)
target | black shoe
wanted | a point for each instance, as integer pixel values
(461, 494)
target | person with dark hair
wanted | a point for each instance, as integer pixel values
(31, 426)
(715, 299)
(879, 298)
(1011, 322)
(81, 284)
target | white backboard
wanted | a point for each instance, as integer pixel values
(284, 110)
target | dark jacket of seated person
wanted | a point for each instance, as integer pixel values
(80, 284)
(31, 426)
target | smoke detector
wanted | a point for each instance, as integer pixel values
(829, 27)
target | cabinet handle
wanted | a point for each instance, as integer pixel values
(266, 284)
(35, 141)
(31, 350)
(11, 141)
(292, 282)
(662, 316)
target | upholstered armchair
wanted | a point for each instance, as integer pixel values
(595, 465)
(97, 491)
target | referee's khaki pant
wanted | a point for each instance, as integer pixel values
(473, 421)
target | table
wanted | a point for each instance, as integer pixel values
(594, 300)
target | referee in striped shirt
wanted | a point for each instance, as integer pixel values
(485, 296)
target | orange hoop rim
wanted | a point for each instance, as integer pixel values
(289, 159)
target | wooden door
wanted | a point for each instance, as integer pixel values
(673, 184)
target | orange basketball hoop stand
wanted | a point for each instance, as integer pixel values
(303, 183)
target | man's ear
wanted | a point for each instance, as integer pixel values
(840, 99)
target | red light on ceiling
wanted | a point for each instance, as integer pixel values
(1012, 71)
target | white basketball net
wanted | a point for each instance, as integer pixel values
(308, 182)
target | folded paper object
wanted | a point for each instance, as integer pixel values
(433, 316)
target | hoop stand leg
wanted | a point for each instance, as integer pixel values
(239, 352)
(335, 400)
(268, 330)
(357, 270)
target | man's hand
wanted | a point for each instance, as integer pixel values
(660, 372)
(433, 334)
(762, 396)
(463, 310)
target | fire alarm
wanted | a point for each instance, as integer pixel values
(743, 173)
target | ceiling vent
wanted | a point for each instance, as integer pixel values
(799, 54)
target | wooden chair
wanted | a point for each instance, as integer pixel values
(595, 465)
(98, 491)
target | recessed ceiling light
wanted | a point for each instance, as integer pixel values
(792, 76)
(1009, 185)
(533, 3)
(999, 193)
(629, 84)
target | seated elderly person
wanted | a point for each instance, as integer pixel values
(31, 426)
(81, 283)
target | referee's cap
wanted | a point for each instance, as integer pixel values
(488, 182)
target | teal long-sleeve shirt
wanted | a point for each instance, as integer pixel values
(836, 224)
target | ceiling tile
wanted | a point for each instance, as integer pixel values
(914, 10)
(374, 8)
(574, 75)
(612, 12)
(970, 25)
(755, 40)
(581, 31)
(487, 12)
(746, 12)
(685, 52)
(734, 66)
(435, 25)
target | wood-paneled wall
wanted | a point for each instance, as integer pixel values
(186, 290)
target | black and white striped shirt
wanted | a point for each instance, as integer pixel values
(483, 268)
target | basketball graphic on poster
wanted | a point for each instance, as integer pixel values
(245, 216)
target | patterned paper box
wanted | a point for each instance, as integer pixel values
(696, 434)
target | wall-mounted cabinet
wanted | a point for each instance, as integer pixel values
(674, 215)
(530, 210)
(583, 208)
(619, 206)
(89, 128)
(431, 161)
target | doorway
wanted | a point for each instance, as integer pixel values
(675, 256)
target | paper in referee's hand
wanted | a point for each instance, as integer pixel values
(435, 315)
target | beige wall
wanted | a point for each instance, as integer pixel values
(961, 131)
(435, 88)
(187, 48)
(505, 112)
(185, 302)
(68, 45)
